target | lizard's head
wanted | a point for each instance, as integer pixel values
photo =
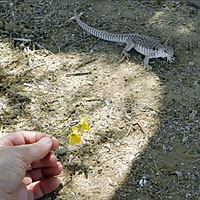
(167, 52)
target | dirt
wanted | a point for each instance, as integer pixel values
(144, 138)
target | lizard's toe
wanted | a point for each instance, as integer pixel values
(148, 67)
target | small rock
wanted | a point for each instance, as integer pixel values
(97, 117)
(61, 126)
(107, 102)
(90, 83)
(117, 144)
(22, 46)
(127, 117)
(62, 151)
(71, 157)
(157, 79)
(143, 181)
(182, 164)
(51, 109)
(191, 63)
(153, 112)
(184, 139)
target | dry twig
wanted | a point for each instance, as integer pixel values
(22, 39)
(90, 100)
(78, 73)
(140, 127)
(85, 63)
(129, 130)
(156, 168)
(194, 161)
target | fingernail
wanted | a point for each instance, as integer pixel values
(46, 141)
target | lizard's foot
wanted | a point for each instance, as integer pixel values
(148, 67)
(170, 59)
(125, 56)
(121, 60)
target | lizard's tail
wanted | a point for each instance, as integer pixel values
(76, 16)
(75, 13)
(98, 33)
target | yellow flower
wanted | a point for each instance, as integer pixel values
(83, 124)
(74, 136)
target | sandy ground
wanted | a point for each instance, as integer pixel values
(144, 137)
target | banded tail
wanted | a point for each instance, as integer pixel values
(101, 34)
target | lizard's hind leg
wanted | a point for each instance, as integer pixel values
(128, 47)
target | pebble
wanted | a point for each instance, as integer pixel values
(143, 181)
(90, 83)
(127, 117)
(184, 139)
(191, 63)
(117, 144)
(107, 102)
(62, 151)
(22, 46)
(61, 126)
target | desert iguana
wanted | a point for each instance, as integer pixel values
(145, 45)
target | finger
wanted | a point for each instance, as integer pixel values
(22, 137)
(25, 137)
(27, 179)
(41, 173)
(55, 143)
(40, 188)
(49, 161)
(33, 152)
(52, 171)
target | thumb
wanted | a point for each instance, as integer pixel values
(35, 151)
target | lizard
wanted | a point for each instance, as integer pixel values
(145, 45)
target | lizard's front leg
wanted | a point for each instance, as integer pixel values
(146, 63)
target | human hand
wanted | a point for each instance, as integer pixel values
(27, 168)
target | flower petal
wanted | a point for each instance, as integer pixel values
(83, 124)
(74, 129)
(74, 139)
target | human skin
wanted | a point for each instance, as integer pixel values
(27, 166)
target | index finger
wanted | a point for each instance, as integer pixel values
(25, 137)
